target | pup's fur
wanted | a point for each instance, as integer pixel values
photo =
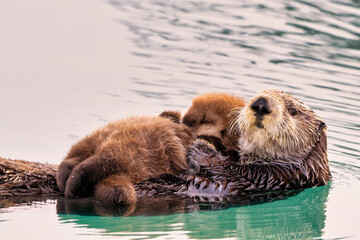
(124, 152)
(209, 115)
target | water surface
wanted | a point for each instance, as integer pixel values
(69, 67)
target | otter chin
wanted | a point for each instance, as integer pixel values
(275, 126)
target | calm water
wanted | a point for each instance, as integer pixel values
(67, 68)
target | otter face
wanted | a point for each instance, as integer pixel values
(209, 116)
(205, 123)
(275, 125)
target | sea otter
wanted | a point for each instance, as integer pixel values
(209, 118)
(282, 145)
(110, 160)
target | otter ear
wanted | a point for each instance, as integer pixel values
(322, 127)
(322, 130)
(174, 116)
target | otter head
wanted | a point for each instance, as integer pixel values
(274, 125)
(209, 116)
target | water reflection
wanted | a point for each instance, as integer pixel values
(301, 216)
(165, 205)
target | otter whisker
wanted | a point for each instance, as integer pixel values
(234, 121)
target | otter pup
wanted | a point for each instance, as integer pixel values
(110, 160)
(282, 145)
(209, 118)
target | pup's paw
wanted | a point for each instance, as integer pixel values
(115, 189)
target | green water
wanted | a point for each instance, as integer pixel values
(300, 216)
(67, 68)
(271, 220)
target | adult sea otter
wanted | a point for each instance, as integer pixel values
(282, 145)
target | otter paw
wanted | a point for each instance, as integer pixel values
(115, 194)
(64, 172)
(174, 116)
(77, 184)
(198, 155)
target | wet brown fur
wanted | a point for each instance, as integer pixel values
(214, 175)
(209, 115)
(286, 152)
(281, 135)
(124, 152)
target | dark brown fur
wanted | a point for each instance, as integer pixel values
(216, 175)
(276, 152)
(212, 174)
(174, 116)
(298, 163)
(124, 152)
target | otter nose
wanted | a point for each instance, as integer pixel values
(260, 107)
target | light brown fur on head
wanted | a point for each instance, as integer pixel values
(209, 116)
(283, 129)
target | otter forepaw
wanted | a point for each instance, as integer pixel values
(199, 154)
(64, 172)
(116, 189)
(77, 184)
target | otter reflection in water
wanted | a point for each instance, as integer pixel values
(238, 219)
(165, 204)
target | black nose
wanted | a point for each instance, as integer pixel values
(260, 107)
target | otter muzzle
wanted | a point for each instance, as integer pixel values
(260, 108)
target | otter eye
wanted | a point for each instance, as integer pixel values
(223, 133)
(189, 123)
(293, 111)
(206, 121)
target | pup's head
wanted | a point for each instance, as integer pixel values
(209, 116)
(275, 125)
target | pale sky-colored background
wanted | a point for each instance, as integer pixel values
(58, 61)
